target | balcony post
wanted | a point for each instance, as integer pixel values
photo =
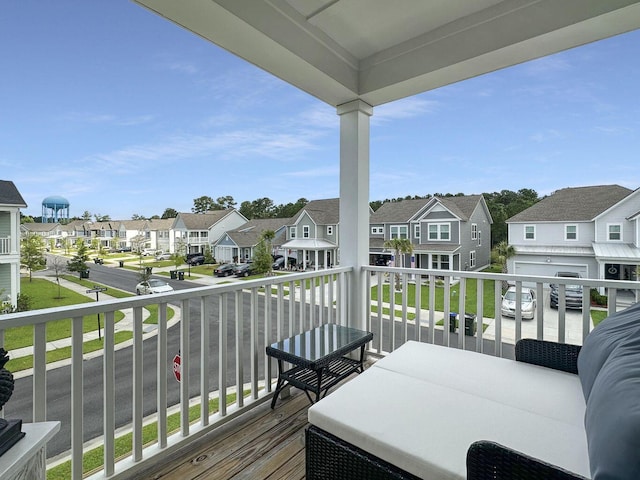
(354, 202)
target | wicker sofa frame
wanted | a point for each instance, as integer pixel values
(330, 458)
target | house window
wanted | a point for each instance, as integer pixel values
(571, 232)
(292, 232)
(529, 232)
(615, 232)
(474, 231)
(440, 262)
(330, 230)
(439, 231)
(399, 231)
(472, 259)
(377, 230)
(416, 231)
(305, 231)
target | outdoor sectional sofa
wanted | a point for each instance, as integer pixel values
(425, 411)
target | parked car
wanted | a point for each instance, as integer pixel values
(153, 286)
(573, 293)
(195, 259)
(243, 270)
(527, 303)
(224, 270)
(147, 252)
(164, 256)
(278, 264)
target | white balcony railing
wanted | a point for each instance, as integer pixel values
(5, 245)
(222, 334)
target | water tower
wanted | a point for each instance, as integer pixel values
(54, 209)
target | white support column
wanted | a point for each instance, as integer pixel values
(354, 202)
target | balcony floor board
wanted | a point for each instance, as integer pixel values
(265, 443)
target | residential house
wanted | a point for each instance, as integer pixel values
(10, 204)
(48, 231)
(448, 233)
(593, 231)
(160, 233)
(312, 236)
(76, 229)
(195, 231)
(109, 234)
(239, 244)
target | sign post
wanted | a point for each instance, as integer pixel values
(97, 289)
(177, 369)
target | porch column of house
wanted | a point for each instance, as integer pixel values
(354, 202)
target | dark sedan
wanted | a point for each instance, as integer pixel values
(224, 270)
(243, 270)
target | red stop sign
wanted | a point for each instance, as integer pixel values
(176, 367)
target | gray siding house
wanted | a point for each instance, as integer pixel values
(195, 231)
(10, 204)
(594, 231)
(312, 236)
(239, 244)
(449, 233)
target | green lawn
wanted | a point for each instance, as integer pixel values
(470, 299)
(46, 294)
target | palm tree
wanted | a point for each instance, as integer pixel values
(400, 247)
(501, 253)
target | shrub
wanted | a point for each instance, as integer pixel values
(598, 299)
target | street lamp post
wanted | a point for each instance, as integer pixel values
(188, 259)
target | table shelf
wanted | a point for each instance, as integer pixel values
(337, 370)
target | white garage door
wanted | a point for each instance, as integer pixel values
(548, 269)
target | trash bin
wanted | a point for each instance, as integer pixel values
(453, 316)
(469, 324)
(148, 269)
(180, 275)
(173, 274)
(84, 274)
(121, 262)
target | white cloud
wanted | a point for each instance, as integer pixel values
(405, 108)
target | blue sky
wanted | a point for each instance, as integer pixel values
(122, 113)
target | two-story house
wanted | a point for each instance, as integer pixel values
(160, 230)
(312, 235)
(192, 232)
(48, 231)
(593, 231)
(10, 204)
(239, 244)
(448, 233)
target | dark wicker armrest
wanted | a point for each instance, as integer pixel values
(490, 460)
(560, 356)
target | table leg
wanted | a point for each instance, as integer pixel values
(279, 385)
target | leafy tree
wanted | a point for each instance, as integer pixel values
(86, 216)
(32, 252)
(136, 216)
(259, 208)
(95, 243)
(26, 219)
(226, 202)
(290, 209)
(204, 204)
(78, 261)
(101, 218)
(208, 255)
(169, 213)
(400, 247)
(262, 258)
(180, 253)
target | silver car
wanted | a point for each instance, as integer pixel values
(527, 303)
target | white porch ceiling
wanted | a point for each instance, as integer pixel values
(383, 50)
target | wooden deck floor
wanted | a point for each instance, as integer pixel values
(263, 444)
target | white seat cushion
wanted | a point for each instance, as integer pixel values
(543, 391)
(426, 428)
